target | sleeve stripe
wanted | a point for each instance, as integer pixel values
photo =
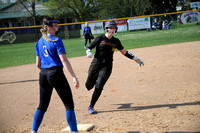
(62, 52)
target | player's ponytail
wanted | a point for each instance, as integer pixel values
(43, 30)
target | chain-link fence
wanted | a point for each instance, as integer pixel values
(31, 34)
(14, 35)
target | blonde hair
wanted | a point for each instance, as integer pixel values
(86, 23)
(43, 30)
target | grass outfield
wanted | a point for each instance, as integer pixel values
(24, 53)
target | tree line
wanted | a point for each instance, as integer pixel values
(85, 10)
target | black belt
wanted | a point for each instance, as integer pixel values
(56, 67)
(100, 60)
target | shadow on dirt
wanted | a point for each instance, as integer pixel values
(127, 107)
(14, 82)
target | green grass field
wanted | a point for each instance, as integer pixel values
(24, 53)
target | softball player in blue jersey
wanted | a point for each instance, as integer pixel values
(101, 66)
(87, 34)
(50, 59)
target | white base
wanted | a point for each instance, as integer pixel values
(82, 128)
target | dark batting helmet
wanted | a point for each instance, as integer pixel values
(111, 23)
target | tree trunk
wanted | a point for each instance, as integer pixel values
(132, 1)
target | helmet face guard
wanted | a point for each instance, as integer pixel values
(111, 24)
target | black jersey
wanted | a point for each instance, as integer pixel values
(105, 47)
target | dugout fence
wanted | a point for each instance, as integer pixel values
(14, 35)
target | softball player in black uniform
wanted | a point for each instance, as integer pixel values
(51, 58)
(101, 66)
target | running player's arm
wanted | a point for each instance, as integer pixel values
(123, 51)
(96, 41)
(132, 57)
(127, 54)
(68, 67)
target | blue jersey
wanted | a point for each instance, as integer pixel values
(86, 30)
(49, 51)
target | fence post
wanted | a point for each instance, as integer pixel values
(178, 20)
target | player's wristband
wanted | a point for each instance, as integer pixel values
(129, 55)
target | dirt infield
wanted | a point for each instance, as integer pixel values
(162, 96)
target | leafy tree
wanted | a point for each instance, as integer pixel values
(107, 9)
(163, 6)
(29, 5)
(78, 9)
(184, 4)
(25, 4)
(122, 8)
(83, 10)
(5, 1)
(141, 7)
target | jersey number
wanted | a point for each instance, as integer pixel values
(46, 52)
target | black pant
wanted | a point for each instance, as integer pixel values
(54, 78)
(98, 74)
(87, 37)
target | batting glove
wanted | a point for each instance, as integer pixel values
(89, 53)
(137, 60)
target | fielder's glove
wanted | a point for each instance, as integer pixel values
(89, 53)
(137, 60)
